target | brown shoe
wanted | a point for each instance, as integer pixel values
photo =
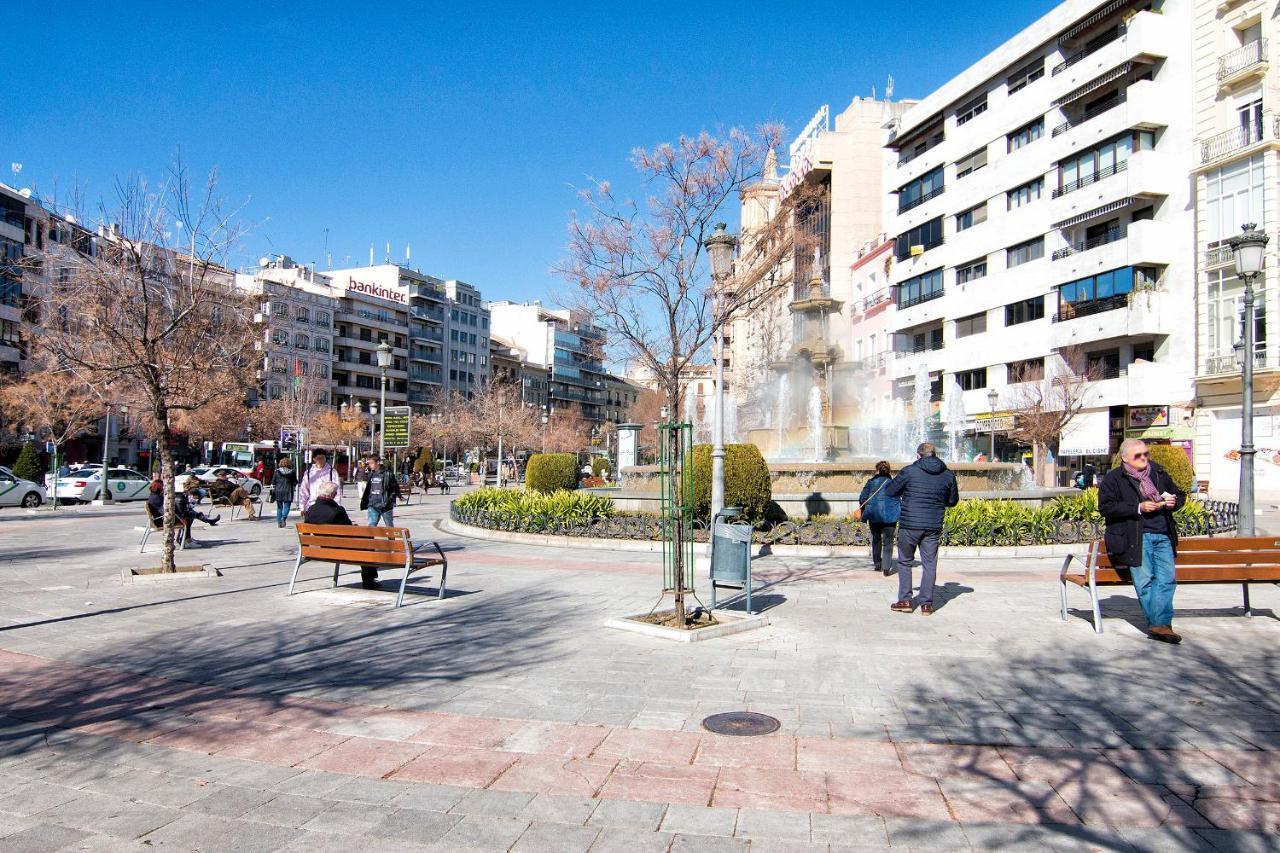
(904, 606)
(926, 609)
(1164, 634)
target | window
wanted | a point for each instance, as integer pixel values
(280, 309)
(1105, 363)
(322, 370)
(322, 318)
(974, 324)
(922, 288)
(280, 338)
(1026, 370)
(322, 344)
(920, 190)
(1095, 293)
(302, 315)
(301, 368)
(1024, 252)
(1234, 195)
(972, 163)
(971, 217)
(1026, 75)
(1024, 311)
(301, 341)
(1026, 134)
(1250, 117)
(972, 109)
(926, 236)
(971, 271)
(972, 380)
(1224, 303)
(1025, 194)
(1098, 163)
(925, 340)
(1144, 352)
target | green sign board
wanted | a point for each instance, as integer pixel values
(395, 426)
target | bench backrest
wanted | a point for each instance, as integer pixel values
(156, 521)
(367, 546)
(1208, 559)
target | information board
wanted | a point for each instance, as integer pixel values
(395, 426)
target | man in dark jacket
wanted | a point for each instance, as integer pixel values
(181, 508)
(1137, 499)
(381, 492)
(927, 488)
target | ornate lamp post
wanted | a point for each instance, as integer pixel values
(384, 361)
(1249, 249)
(373, 422)
(993, 397)
(719, 246)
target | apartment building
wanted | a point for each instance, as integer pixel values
(296, 316)
(468, 332)
(428, 315)
(373, 308)
(1040, 210)
(509, 364)
(566, 345)
(1235, 168)
(18, 230)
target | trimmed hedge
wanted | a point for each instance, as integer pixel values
(1173, 460)
(746, 480)
(577, 507)
(27, 466)
(599, 466)
(551, 472)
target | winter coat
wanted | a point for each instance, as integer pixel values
(283, 484)
(1118, 499)
(390, 490)
(326, 511)
(927, 487)
(310, 481)
(880, 509)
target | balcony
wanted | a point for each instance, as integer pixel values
(914, 203)
(1239, 140)
(1227, 365)
(920, 299)
(1242, 65)
(1111, 236)
(1145, 242)
(1091, 112)
(1146, 174)
(1146, 37)
(1081, 55)
(1218, 256)
(1091, 178)
(1111, 318)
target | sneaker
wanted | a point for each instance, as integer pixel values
(904, 606)
(1164, 634)
(213, 522)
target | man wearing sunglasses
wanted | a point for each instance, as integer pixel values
(1137, 499)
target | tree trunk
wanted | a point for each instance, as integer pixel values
(166, 476)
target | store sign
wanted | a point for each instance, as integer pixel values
(1141, 417)
(804, 165)
(1000, 423)
(395, 426)
(1088, 434)
(375, 290)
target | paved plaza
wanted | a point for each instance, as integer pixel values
(219, 714)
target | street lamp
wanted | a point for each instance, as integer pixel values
(1249, 249)
(384, 361)
(993, 397)
(373, 420)
(719, 246)
(545, 419)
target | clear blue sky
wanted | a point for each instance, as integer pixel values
(458, 128)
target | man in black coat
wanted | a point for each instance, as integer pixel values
(1137, 498)
(927, 488)
(327, 510)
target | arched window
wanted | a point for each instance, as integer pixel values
(301, 341)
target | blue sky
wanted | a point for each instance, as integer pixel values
(461, 133)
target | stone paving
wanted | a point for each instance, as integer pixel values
(222, 715)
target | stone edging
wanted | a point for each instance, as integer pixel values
(650, 546)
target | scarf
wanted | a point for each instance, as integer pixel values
(1146, 486)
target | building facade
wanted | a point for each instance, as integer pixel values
(566, 345)
(1038, 212)
(468, 339)
(373, 308)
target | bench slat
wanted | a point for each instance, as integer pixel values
(1228, 558)
(350, 530)
(1233, 543)
(351, 542)
(1227, 574)
(346, 555)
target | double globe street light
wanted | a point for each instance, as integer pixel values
(1249, 249)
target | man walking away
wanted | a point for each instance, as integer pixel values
(880, 512)
(1137, 500)
(283, 484)
(379, 500)
(927, 488)
(319, 472)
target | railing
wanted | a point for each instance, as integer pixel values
(917, 349)
(1218, 255)
(419, 311)
(376, 316)
(914, 203)
(1242, 59)
(878, 298)
(1091, 178)
(1238, 138)
(1111, 236)
(1072, 310)
(1105, 39)
(1227, 363)
(920, 298)
(1092, 112)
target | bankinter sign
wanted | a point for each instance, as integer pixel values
(375, 290)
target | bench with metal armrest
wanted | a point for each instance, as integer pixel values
(1214, 560)
(156, 523)
(381, 547)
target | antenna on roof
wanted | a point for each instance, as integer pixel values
(408, 253)
(328, 256)
(370, 253)
(888, 89)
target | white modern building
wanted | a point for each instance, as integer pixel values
(468, 339)
(295, 315)
(373, 308)
(1042, 209)
(566, 345)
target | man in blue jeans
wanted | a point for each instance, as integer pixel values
(381, 491)
(927, 487)
(1137, 499)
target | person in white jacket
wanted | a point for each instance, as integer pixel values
(319, 472)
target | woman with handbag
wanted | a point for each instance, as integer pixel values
(880, 512)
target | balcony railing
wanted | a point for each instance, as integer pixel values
(920, 298)
(1237, 139)
(1074, 310)
(1228, 363)
(1091, 178)
(916, 202)
(917, 349)
(1242, 59)
(1111, 236)
(1091, 113)
(878, 298)
(1218, 256)
(1103, 41)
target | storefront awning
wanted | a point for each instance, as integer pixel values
(1088, 434)
(1096, 83)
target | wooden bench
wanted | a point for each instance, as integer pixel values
(1213, 560)
(382, 547)
(406, 492)
(156, 523)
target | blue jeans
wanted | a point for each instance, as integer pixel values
(282, 511)
(384, 515)
(1154, 580)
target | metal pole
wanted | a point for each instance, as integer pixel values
(499, 447)
(382, 415)
(372, 423)
(1244, 525)
(992, 456)
(104, 491)
(717, 439)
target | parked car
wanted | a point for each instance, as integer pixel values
(14, 491)
(208, 473)
(84, 485)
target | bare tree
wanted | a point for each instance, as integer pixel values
(1045, 402)
(497, 417)
(158, 320)
(338, 429)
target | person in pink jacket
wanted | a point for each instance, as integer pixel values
(319, 472)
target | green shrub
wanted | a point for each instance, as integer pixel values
(560, 505)
(551, 472)
(27, 466)
(746, 480)
(599, 466)
(1172, 459)
(1082, 506)
(424, 462)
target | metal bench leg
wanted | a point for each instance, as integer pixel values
(1097, 608)
(335, 573)
(297, 565)
(1062, 585)
(444, 569)
(146, 534)
(1248, 610)
(404, 579)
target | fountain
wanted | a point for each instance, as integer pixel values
(956, 418)
(815, 423)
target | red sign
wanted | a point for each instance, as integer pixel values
(375, 290)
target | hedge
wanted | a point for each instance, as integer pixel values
(1172, 459)
(746, 480)
(578, 507)
(599, 466)
(27, 467)
(551, 472)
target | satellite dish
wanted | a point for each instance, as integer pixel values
(264, 261)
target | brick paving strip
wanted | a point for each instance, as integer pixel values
(700, 773)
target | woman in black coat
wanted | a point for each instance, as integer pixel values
(1137, 499)
(284, 482)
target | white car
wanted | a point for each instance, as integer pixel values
(125, 484)
(209, 473)
(15, 491)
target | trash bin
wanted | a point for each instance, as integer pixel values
(730, 554)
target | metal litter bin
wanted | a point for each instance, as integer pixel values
(730, 554)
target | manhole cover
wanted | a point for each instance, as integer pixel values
(741, 723)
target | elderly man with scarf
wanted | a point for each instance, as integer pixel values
(1137, 499)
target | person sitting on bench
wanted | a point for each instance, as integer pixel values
(181, 507)
(326, 510)
(224, 488)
